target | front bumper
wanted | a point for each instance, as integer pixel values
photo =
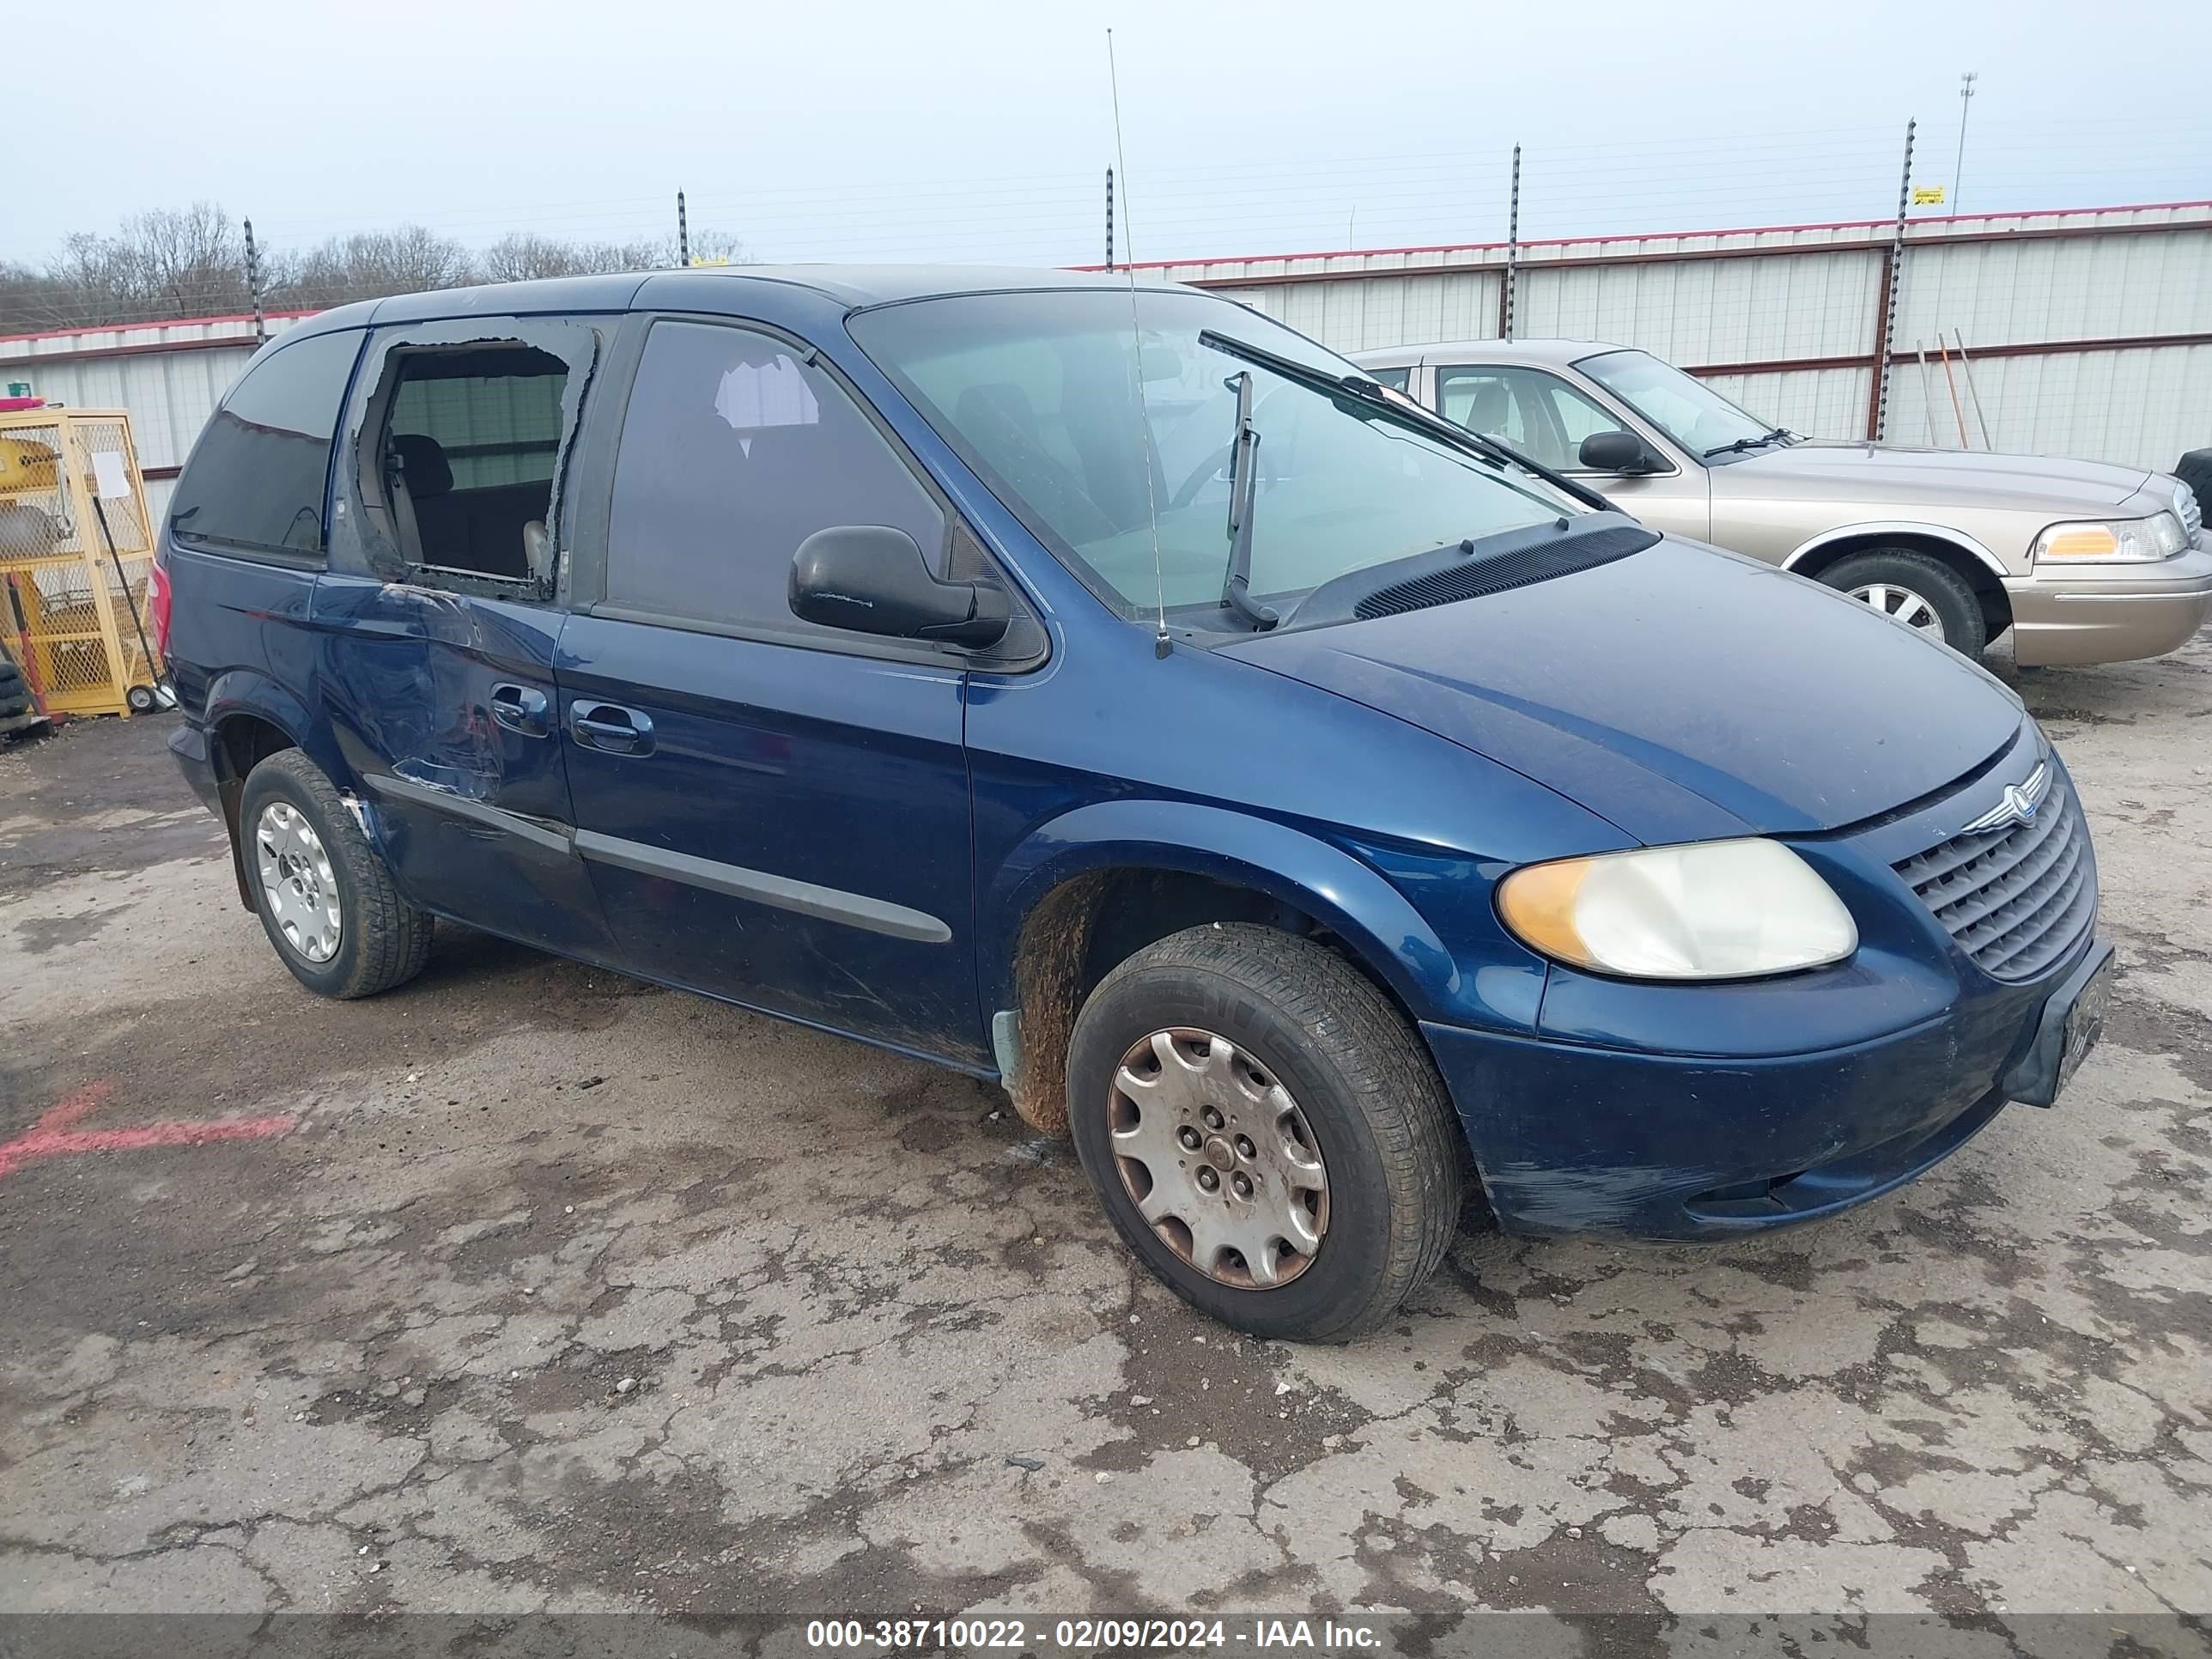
(1572, 1138)
(2110, 613)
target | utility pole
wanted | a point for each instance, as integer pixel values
(1892, 288)
(1959, 166)
(1512, 247)
(682, 235)
(253, 284)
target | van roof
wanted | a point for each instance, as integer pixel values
(753, 290)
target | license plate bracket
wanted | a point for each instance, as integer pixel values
(2072, 1020)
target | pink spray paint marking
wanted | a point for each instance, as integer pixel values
(56, 1134)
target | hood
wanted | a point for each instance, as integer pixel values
(1681, 693)
(2032, 483)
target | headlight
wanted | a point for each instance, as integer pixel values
(1715, 909)
(2117, 541)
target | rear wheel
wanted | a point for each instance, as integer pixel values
(325, 898)
(1265, 1131)
(1917, 590)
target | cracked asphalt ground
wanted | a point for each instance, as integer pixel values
(883, 1350)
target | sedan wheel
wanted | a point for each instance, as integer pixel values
(1901, 604)
(1917, 590)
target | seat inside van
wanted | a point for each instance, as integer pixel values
(472, 438)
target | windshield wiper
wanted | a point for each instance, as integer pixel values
(1778, 435)
(1395, 406)
(1243, 496)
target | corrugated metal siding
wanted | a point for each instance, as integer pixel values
(1821, 403)
(170, 395)
(2142, 408)
(2028, 285)
(1793, 292)
(1710, 311)
(1380, 311)
(169, 392)
(2093, 288)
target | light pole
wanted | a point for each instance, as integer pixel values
(1958, 165)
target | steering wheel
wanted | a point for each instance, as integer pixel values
(1213, 464)
(1206, 469)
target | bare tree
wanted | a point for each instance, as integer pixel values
(191, 262)
(183, 260)
(370, 263)
(521, 255)
(713, 247)
(187, 261)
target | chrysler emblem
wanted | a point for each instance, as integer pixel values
(2019, 805)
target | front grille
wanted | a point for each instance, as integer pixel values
(2191, 511)
(2019, 898)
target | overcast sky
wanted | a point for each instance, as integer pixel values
(889, 128)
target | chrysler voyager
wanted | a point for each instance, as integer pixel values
(1323, 816)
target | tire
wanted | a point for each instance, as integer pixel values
(1923, 578)
(2195, 469)
(382, 940)
(140, 699)
(1360, 1086)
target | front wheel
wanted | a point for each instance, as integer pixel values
(1916, 591)
(1266, 1130)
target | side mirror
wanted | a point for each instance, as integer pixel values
(872, 579)
(1617, 451)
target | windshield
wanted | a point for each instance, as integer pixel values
(1087, 434)
(1682, 406)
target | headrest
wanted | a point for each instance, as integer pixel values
(1491, 408)
(423, 464)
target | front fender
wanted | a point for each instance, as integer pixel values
(1870, 529)
(1346, 896)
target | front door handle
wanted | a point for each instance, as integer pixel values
(519, 708)
(611, 726)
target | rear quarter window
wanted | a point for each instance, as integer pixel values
(256, 478)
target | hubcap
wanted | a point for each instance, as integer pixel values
(1901, 604)
(297, 881)
(1216, 1157)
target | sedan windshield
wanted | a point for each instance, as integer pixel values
(1095, 424)
(1681, 405)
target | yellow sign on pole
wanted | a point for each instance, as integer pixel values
(1928, 196)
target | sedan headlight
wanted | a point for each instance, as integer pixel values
(1717, 909)
(2114, 541)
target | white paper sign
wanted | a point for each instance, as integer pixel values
(757, 395)
(109, 474)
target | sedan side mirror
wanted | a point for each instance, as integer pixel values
(1618, 451)
(872, 579)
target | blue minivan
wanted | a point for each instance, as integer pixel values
(1328, 817)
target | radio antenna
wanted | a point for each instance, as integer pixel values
(1161, 643)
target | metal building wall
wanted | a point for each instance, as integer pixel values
(2087, 330)
(168, 376)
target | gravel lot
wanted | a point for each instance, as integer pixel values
(529, 1287)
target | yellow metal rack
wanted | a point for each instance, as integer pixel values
(76, 554)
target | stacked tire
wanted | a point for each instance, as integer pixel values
(16, 709)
